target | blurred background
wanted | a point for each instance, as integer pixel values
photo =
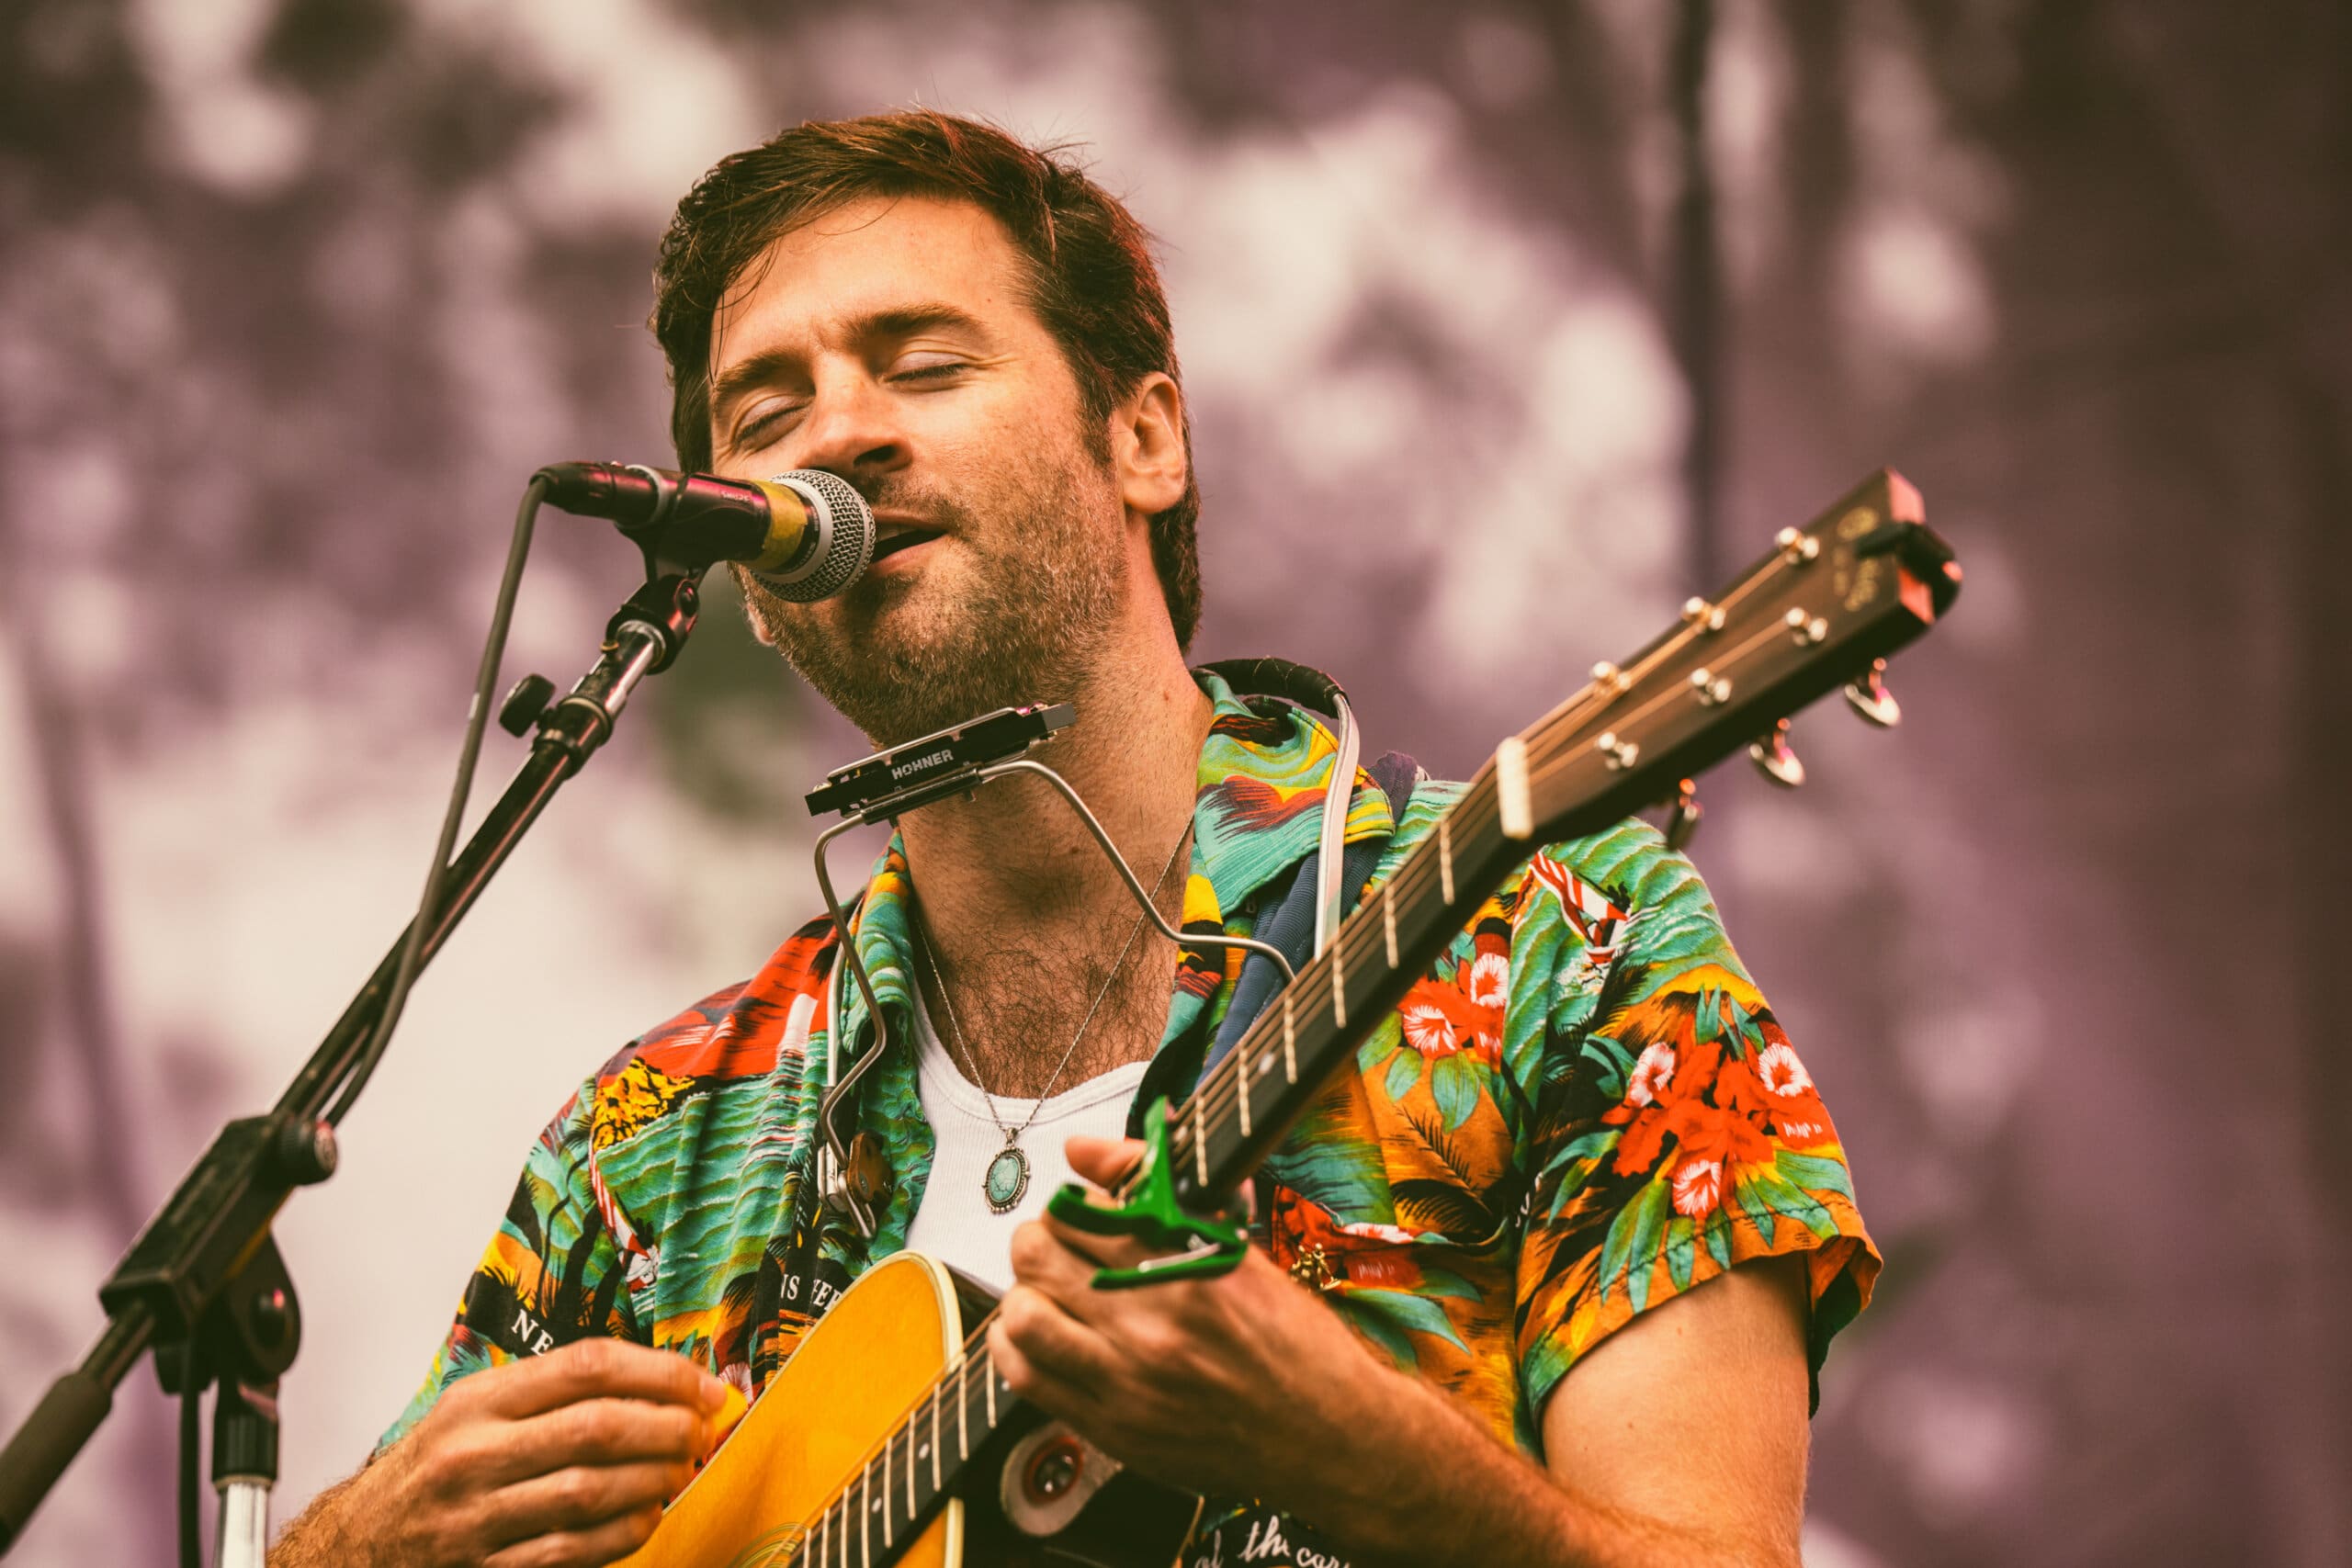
(1586, 297)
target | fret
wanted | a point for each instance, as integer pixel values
(963, 1430)
(1445, 857)
(988, 1374)
(1513, 801)
(886, 1491)
(1339, 991)
(1290, 1039)
(911, 1475)
(1388, 918)
(825, 1533)
(865, 1520)
(1241, 1082)
(1201, 1139)
(934, 1441)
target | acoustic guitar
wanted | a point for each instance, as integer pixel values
(888, 1437)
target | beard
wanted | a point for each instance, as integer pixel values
(1021, 618)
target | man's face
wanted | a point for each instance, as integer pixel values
(890, 342)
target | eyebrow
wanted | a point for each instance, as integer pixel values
(903, 320)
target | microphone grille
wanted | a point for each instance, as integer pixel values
(843, 548)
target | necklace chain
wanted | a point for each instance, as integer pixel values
(956, 1028)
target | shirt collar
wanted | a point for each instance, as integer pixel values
(1256, 812)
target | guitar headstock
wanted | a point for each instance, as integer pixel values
(1824, 609)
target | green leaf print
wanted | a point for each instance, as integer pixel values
(1682, 1243)
(1404, 1072)
(1718, 1237)
(1813, 1173)
(1743, 1035)
(1453, 1083)
(1611, 1062)
(1437, 1281)
(1400, 1309)
(1389, 1337)
(1758, 1206)
(1647, 1216)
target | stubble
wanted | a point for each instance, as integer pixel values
(1023, 619)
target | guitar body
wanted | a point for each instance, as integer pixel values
(884, 1441)
(1038, 1495)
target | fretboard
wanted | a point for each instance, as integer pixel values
(1245, 1103)
(1862, 580)
(912, 1472)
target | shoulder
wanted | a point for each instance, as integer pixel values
(740, 1035)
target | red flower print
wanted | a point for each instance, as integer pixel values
(1651, 1073)
(1427, 1029)
(1698, 1187)
(1707, 1131)
(1487, 981)
(1781, 1072)
(1360, 1254)
(1440, 1019)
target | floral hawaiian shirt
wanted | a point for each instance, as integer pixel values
(1584, 1109)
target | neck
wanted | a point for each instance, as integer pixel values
(1013, 856)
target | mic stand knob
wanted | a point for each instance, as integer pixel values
(525, 705)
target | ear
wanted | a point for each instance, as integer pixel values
(1147, 446)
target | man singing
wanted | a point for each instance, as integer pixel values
(1545, 1276)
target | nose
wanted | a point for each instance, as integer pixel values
(852, 428)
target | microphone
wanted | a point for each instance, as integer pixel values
(806, 535)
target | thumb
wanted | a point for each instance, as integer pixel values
(1104, 1161)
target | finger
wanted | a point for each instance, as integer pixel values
(1048, 1341)
(1061, 1260)
(1106, 1162)
(580, 1497)
(1084, 1250)
(591, 1432)
(591, 1368)
(606, 1542)
(1057, 1396)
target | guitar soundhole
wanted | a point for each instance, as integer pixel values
(1053, 1470)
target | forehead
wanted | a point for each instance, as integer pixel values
(815, 283)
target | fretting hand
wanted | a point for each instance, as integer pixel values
(1223, 1385)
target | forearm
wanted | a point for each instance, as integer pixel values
(317, 1536)
(1397, 1471)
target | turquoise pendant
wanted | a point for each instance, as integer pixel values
(1007, 1178)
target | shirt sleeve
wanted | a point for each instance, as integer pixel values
(1677, 1132)
(553, 1272)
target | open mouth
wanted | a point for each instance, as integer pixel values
(889, 538)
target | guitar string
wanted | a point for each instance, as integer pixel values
(862, 1468)
(1472, 811)
(1223, 1090)
(1227, 1081)
(978, 1356)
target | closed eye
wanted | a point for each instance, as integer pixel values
(749, 438)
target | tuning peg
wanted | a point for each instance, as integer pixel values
(1873, 700)
(1772, 757)
(1682, 816)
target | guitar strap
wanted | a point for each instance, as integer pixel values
(1289, 925)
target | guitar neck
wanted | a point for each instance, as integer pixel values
(912, 1471)
(1863, 578)
(1249, 1101)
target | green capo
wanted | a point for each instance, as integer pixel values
(1207, 1245)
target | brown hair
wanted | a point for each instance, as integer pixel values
(1091, 279)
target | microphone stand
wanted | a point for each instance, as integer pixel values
(204, 1285)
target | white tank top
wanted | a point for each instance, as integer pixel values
(953, 1222)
